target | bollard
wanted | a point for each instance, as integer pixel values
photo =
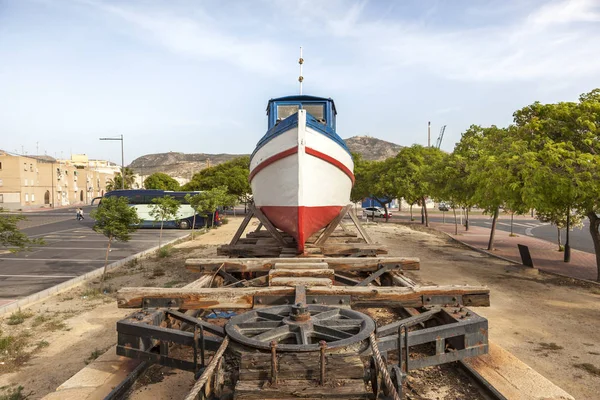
(322, 346)
(273, 362)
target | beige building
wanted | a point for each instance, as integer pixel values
(37, 182)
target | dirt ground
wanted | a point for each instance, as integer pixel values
(549, 323)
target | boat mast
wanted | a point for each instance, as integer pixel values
(300, 61)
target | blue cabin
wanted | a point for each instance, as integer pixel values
(320, 108)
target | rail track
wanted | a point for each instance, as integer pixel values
(342, 321)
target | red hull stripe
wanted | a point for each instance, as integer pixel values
(271, 160)
(331, 161)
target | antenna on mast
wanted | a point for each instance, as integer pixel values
(300, 61)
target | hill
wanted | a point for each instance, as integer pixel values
(371, 148)
(184, 165)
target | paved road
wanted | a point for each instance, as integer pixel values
(580, 239)
(72, 248)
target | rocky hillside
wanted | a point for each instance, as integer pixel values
(183, 165)
(371, 148)
(178, 164)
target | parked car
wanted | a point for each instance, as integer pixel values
(443, 206)
(376, 212)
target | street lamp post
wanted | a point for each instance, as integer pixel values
(122, 160)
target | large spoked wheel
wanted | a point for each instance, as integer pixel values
(299, 327)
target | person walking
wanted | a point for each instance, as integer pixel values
(78, 214)
(81, 213)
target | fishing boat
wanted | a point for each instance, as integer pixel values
(301, 171)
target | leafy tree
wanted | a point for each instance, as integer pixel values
(117, 182)
(233, 174)
(116, 220)
(494, 170)
(161, 181)
(360, 190)
(412, 174)
(205, 203)
(559, 219)
(162, 209)
(10, 235)
(563, 143)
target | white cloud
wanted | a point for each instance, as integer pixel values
(196, 36)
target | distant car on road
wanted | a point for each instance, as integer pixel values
(443, 206)
(376, 212)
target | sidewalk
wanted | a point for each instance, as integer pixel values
(543, 253)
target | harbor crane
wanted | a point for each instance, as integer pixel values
(438, 143)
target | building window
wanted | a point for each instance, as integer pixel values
(0, 165)
(32, 198)
(25, 182)
(31, 167)
(1, 183)
(24, 166)
(26, 197)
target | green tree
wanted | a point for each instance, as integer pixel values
(163, 209)
(206, 203)
(11, 236)
(161, 181)
(233, 174)
(411, 175)
(116, 220)
(563, 143)
(117, 182)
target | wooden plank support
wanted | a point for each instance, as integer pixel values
(302, 273)
(243, 298)
(292, 281)
(347, 389)
(359, 227)
(242, 228)
(366, 264)
(301, 366)
(343, 249)
(332, 225)
(304, 265)
(268, 225)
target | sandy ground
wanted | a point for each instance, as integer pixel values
(59, 334)
(550, 324)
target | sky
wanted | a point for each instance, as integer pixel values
(195, 76)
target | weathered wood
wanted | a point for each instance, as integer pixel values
(347, 389)
(335, 249)
(332, 225)
(241, 229)
(208, 371)
(269, 226)
(291, 281)
(298, 265)
(302, 273)
(401, 280)
(248, 250)
(359, 227)
(301, 366)
(265, 264)
(236, 298)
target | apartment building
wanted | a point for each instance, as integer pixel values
(37, 182)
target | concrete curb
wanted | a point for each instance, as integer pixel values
(516, 262)
(71, 283)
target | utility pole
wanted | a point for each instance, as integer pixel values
(122, 160)
(429, 134)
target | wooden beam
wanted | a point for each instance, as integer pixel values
(359, 227)
(268, 225)
(341, 249)
(291, 281)
(236, 298)
(242, 228)
(332, 225)
(265, 264)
